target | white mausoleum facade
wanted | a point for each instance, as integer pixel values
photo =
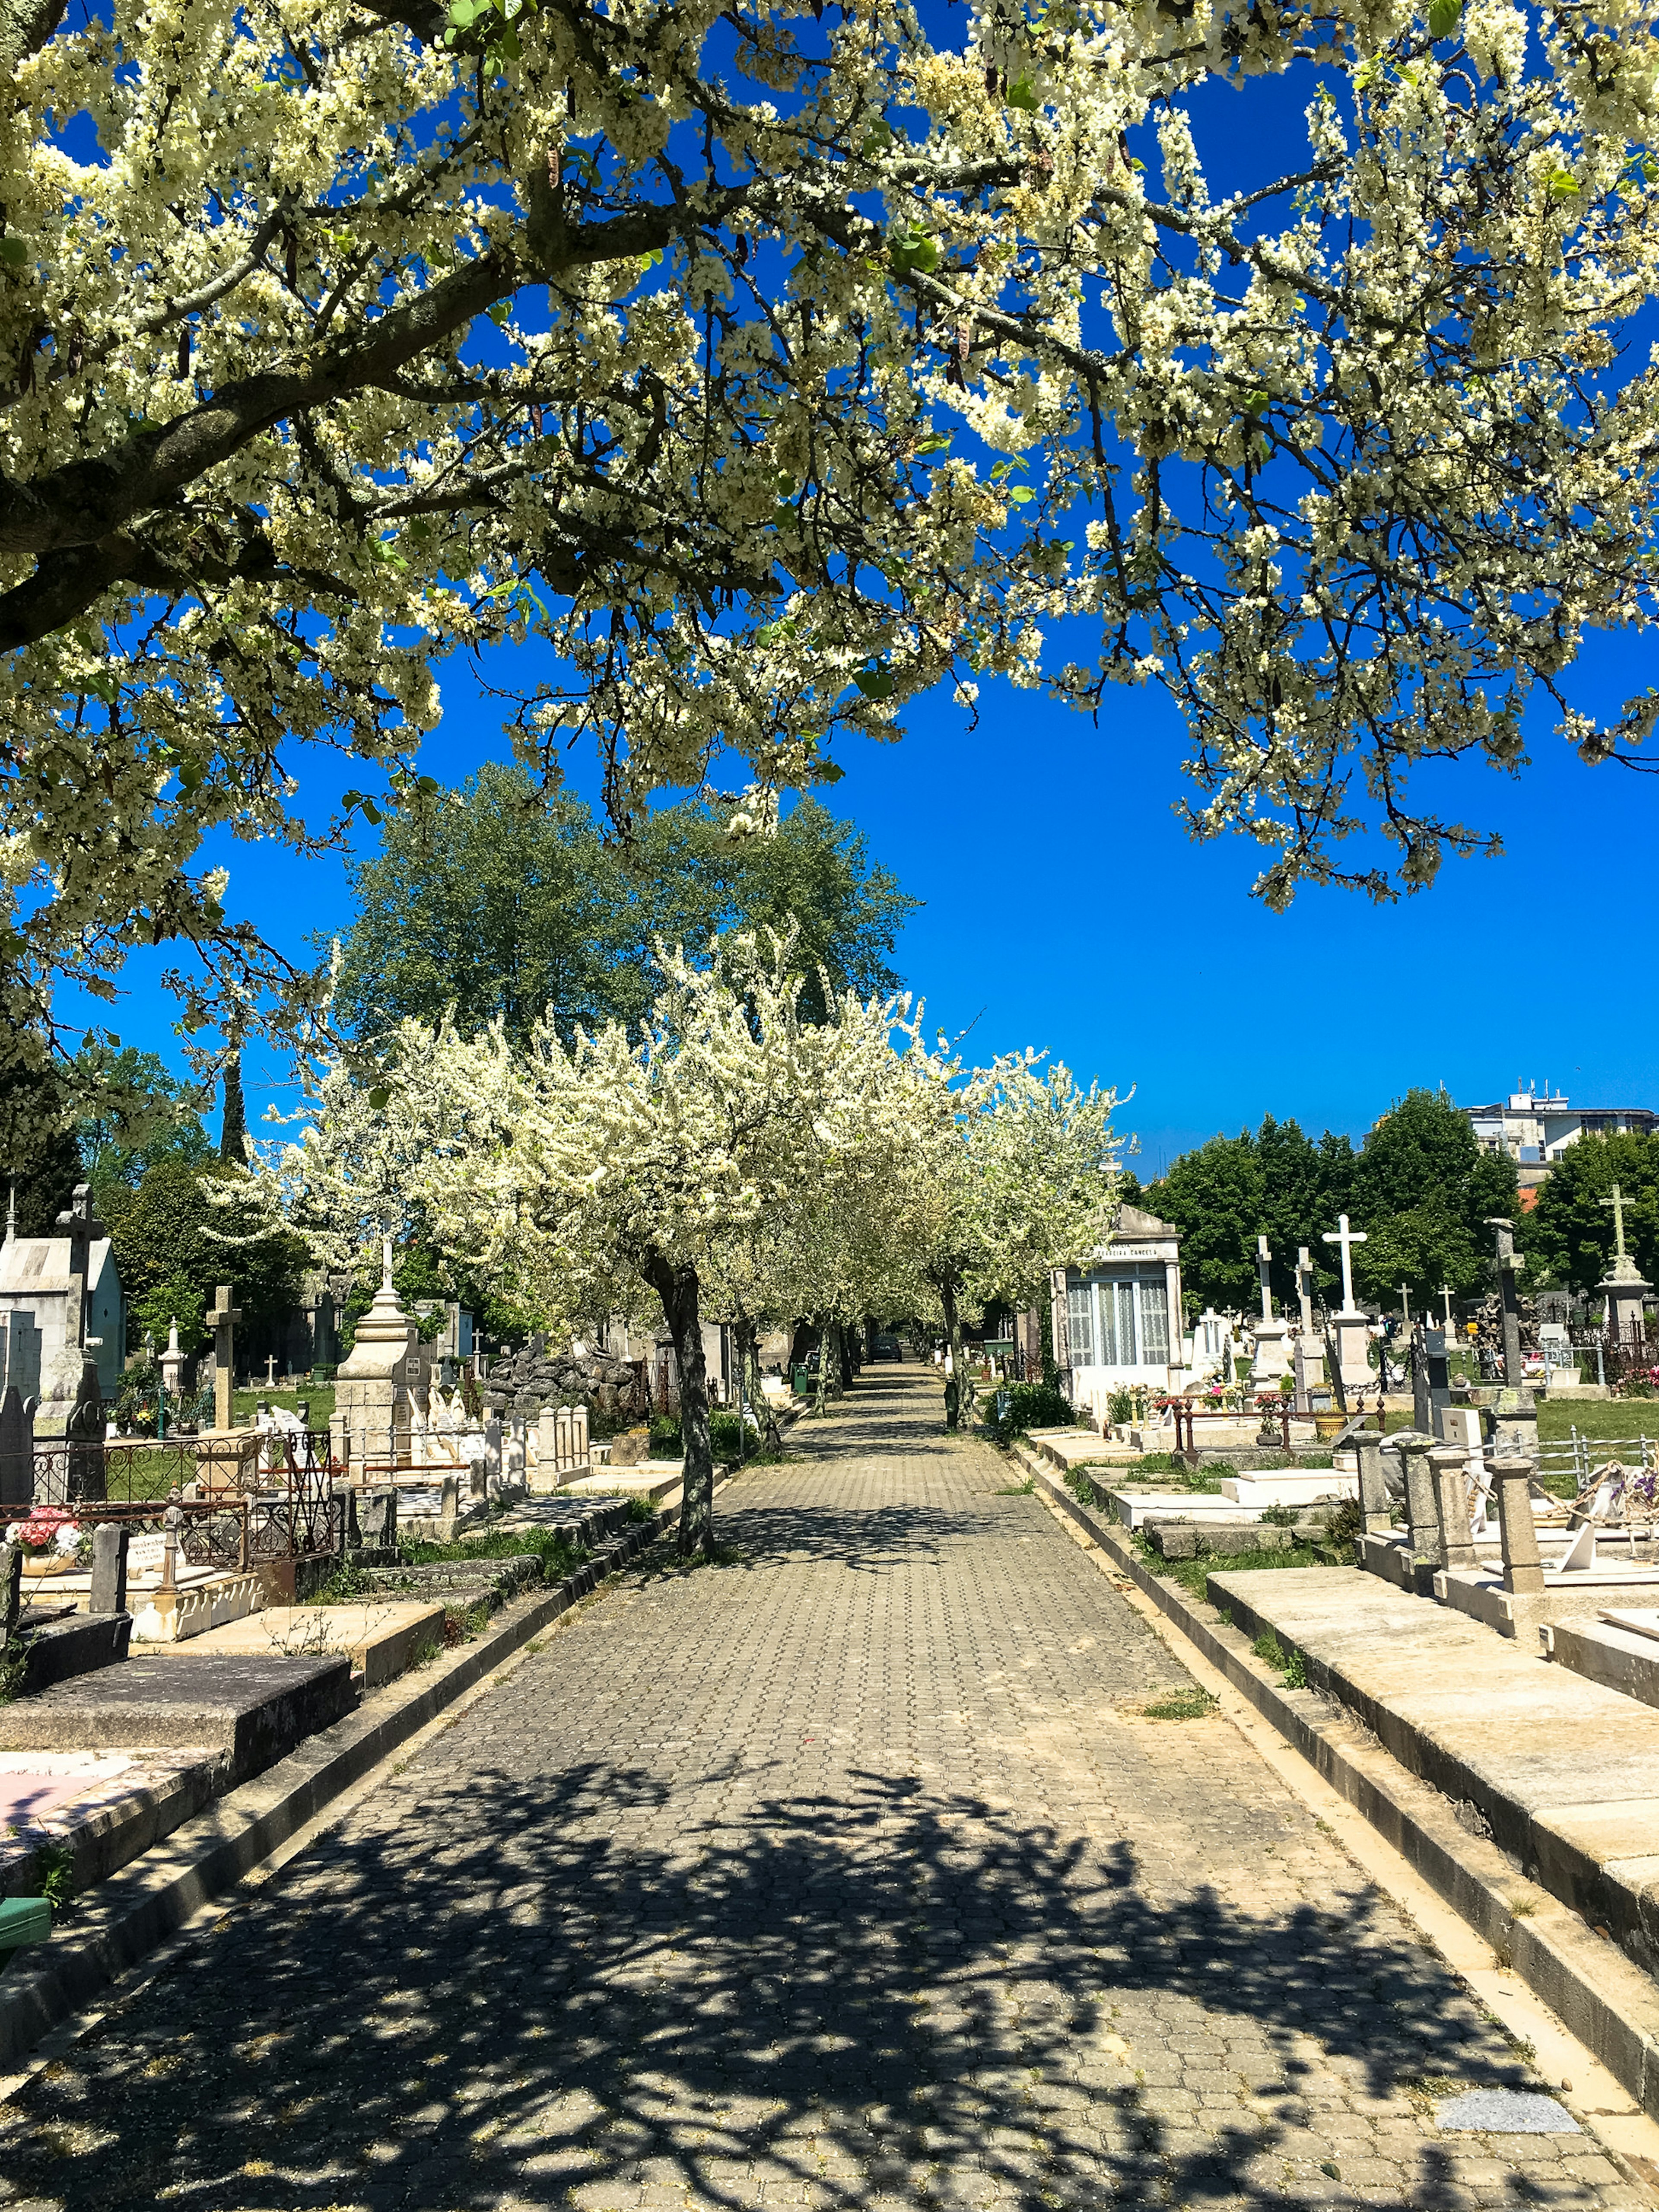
(1116, 1319)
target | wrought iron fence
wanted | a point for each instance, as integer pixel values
(292, 1508)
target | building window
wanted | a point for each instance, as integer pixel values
(1123, 1322)
(1079, 1329)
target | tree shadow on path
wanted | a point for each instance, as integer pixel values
(555, 1992)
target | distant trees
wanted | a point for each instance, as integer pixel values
(1419, 1186)
(1568, 1238)
(509, 906)
(173, 1243)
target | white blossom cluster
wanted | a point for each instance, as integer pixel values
(765, 365)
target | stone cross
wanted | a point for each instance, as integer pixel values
(1515, 1372)
(11, 1211)
(1347, 1238)
(1405, 1304)
(270, 1371)
(224, 1317)
(1304, 1288)
(1262, 1256)
(1617, 1202)
(386, 1263)
(1445, 1293)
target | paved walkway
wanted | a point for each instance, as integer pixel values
(849, 1875)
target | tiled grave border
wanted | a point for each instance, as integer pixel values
(1599, 1995)
(126, 1917)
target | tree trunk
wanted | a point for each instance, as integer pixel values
(955, 1401)
(844, 1344)
(678, 1289)
(824, 1364)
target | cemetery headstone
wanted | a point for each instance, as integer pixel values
(1623, 1286)
(1451, 1499)
(1424, 1520)
(11, 1567)
(109, 1568)
(224, 1317)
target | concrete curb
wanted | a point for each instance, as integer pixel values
(1586, 1980)
(136, 1909)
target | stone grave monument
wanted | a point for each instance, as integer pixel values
(1351, 1327)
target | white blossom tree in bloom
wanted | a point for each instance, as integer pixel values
(586, 1172)
(769, 363)
(1008, 1174)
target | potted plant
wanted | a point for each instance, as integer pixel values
(49, 1541)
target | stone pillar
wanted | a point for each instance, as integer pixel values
(109, 1568)
(11, 1572)
(1514, 1417)
(1425, 1520)
(1373, 1491)
(1309, 1371)
(1512, 1482)
(579, 1433)
(1449, 1468)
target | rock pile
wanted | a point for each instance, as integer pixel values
(535, 1377)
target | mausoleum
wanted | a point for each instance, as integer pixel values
(70, 1285)
(1117, 1319)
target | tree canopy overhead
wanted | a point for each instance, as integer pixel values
(769, 364)
(509, 906)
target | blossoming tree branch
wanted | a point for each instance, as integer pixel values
(771, 364)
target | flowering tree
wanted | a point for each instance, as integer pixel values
(1009, 1174)
(592, 1170)
(771, 364)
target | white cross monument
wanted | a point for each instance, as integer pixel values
(1352, 1329)
(1271, 1354)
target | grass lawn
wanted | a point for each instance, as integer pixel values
(320, 1398)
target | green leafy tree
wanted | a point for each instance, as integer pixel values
(162, 1232)
(177, 1299)
(39, 1155)
(1423, 1191)
(133, 1115)
(1568, 1238)
(506, 904)
(1215, 1197)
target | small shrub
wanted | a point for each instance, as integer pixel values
(1120, 1407)
(667, 1442)
(1345, 1526)
(639, 1510)
(1295, 1672)
(1268, 1647)
(54, 1866)
(1279, 1517)
(1081, 1488)
(1030, 1405)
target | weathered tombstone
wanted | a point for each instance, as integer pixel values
(1271, 1360)
(1512, 1482)
(1373, 1490)
(84, 1433)
(1508, 1261)
(173, 1362)
(16, 1451)
(1450, 1467)
(449, 1506)
(109, 1568)
(1309, 1372)
(224, 1317)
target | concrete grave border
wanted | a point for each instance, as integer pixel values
(1603, 1997)
(129, 1914)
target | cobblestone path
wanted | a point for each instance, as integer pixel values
(851, 1873)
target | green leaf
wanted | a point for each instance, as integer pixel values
(498, 313)
(911, 249)
(878, 138)
(1022, 93)
(874, 683)
(13, 251)
(1443, 17)
(1564, 185)
(1020, 496)
(937, 443)
(379, 1100)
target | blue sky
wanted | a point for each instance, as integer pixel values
(1065, 906)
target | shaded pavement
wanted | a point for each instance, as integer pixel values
(850, 1873)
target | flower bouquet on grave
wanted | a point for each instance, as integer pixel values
(49, 1541)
